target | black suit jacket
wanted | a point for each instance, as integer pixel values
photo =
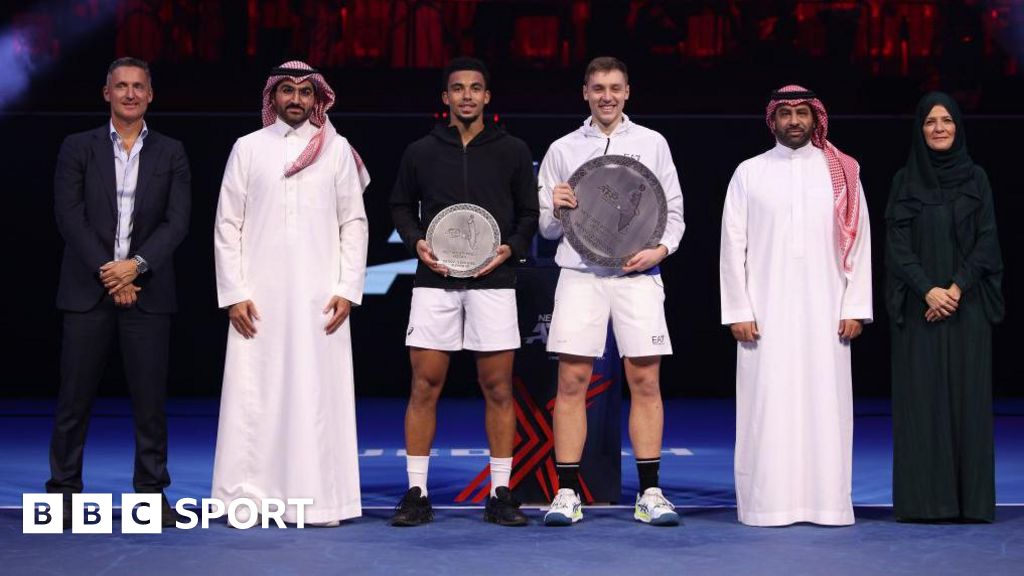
(85, 203)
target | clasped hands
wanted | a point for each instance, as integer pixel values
(117, 277)
(562, 196)
(942, 303)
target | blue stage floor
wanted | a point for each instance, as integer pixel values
(696, 474)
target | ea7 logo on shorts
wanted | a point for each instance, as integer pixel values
(658, 340)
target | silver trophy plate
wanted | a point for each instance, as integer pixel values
(620, 210)
(465, 238)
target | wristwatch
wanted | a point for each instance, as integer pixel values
(140, 264)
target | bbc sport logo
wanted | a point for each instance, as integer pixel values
(140, 513)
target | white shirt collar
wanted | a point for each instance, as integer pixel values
(115, 137)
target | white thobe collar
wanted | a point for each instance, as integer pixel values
(804, 152)
(282, 129)
(590, 129)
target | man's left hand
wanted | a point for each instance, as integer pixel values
(126, 297)
(341, 309)
(117, 274)
(646, 259)
(850, 329)
(503, 253)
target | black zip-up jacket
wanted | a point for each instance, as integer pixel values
(494, 171)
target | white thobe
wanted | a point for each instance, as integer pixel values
(287, 415)
(794, 407)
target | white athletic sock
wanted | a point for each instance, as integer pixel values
(501, 471)
(417, 467)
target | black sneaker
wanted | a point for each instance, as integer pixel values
(413, 509)
(169, 517)
(503, 509)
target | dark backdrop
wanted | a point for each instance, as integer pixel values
(706, 149)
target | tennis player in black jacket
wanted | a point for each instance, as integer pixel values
(471, 161)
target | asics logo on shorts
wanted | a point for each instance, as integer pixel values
(411, 328)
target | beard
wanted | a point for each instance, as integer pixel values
(792, 141)
(285, 114)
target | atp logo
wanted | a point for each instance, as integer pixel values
(540, 330)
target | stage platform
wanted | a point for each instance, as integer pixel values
(696, 475)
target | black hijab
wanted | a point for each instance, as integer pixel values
(929, 171)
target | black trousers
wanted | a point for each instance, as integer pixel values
(88, 336)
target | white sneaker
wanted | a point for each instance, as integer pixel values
(566, 509)
(653, 508)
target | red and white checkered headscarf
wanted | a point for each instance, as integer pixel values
(843, 169)
(298, 72)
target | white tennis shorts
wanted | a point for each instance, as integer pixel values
(584, 303)
(483, 320)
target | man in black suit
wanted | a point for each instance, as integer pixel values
(122, 198)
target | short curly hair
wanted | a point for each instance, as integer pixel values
(464, 63)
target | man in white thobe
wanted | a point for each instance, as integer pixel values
(796, 289)
(290, 242)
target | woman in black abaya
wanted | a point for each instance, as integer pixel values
(943, 296)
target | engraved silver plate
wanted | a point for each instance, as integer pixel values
(620, 210)
(465, 238)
